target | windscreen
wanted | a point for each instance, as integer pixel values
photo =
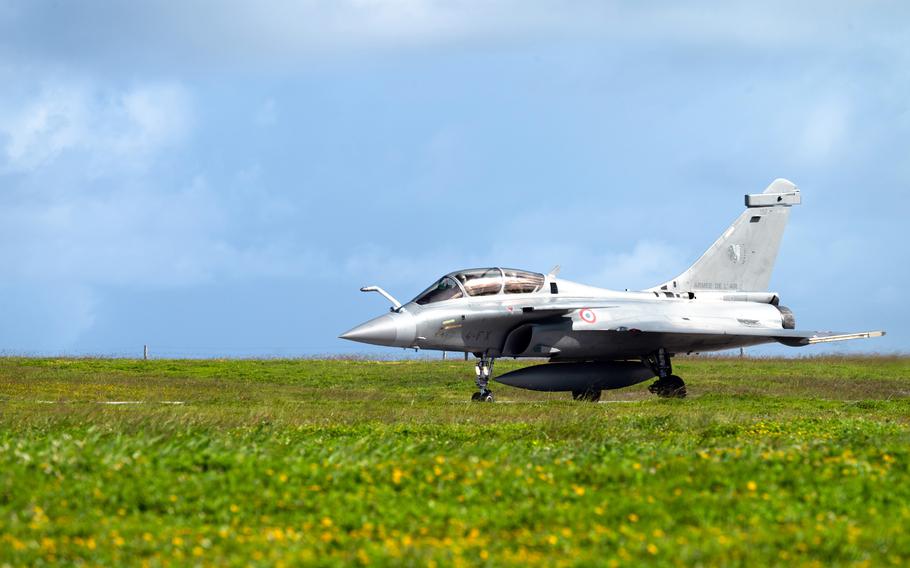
(444, 289)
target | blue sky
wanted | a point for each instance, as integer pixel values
(219, 178)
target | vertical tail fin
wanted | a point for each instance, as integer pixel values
(742, 258)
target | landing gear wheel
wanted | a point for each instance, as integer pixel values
(675, 388)
(588, 395)
(485, 396)
(670, 386)
(667, 384)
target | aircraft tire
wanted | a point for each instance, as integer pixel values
(591, 395)
(671, 387)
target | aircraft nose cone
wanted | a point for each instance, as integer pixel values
(389, 329)
(379, 331)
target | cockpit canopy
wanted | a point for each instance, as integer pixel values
(481, 282)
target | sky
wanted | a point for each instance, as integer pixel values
(218, 178)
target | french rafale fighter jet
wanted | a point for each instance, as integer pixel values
(599, 339)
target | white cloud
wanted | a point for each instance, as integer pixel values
(142, 236)
(86, 206)
(148, 118)
(232, 32)
(106, 130)
(42, 130)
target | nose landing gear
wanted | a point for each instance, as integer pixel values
(483, 370)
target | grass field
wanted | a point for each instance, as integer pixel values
(386, 463)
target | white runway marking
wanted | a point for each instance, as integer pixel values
(141, 402)
(111, 402)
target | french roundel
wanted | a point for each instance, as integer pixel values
(588, 316)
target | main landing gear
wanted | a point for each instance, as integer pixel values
(667, 384)
(483, 370)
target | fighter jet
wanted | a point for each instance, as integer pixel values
(597, 339)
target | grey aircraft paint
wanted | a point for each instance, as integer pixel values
(595, 338)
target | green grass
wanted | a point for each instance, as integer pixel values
(386, 463)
